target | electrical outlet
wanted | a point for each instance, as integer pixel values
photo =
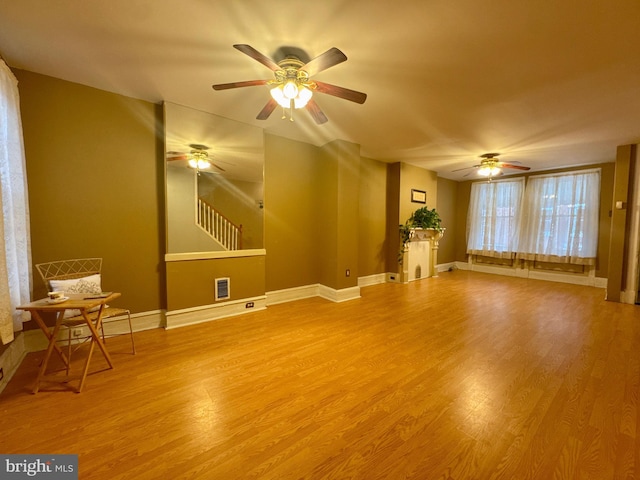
(248, 305)
(348, 273)
(76, 332)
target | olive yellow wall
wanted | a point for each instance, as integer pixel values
(292, 195)
(621, 191)
(401, 179)
(338, 222)
(191, 283)
(412, 177)
(95, 179)
(324, 214)
(371, 218)
(447, 206)
(462, 202)
(95, 168)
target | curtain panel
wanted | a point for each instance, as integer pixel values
(492, 218)
(15, 245)
(559, 221)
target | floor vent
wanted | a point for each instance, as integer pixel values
(222, 288)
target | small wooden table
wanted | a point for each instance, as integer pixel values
(83, 302)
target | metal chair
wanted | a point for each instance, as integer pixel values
(81, 268)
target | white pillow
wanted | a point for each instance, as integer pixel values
(89, 284)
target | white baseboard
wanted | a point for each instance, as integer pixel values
(628, 296)
(291, 294)
(308, 291)
(341, 295)
(207, 313)
(576, 279)
(445, 267)
(35, 341)
(372, 280)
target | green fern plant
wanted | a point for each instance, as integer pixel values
(425, 218)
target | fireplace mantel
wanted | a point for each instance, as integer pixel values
(420, 254)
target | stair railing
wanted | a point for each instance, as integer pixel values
(219, 227)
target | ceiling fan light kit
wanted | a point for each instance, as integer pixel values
(292, 87)
(489, 171)
(197, 158)
(491, 167)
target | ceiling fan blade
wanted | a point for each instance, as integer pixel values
(176, 156)
(465, 168)
(341, 92)
(218, 167)
(328, 59)
(249, 83)
(315, 111)
(517, 167)
(267, 110)
(256, 55)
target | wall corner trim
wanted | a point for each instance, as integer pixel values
(315, 290)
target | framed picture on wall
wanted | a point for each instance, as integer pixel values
(418, 196)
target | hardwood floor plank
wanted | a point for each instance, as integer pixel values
(463, 376)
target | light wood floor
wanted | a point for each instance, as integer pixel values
(463, 376)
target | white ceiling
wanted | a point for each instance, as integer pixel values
(546, 83)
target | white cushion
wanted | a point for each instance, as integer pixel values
(88, 284)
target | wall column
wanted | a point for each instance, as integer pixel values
(620, 221)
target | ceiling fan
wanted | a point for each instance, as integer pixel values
(198, 157)
(292, 86)
(491, 167)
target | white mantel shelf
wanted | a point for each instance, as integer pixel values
(420, 255)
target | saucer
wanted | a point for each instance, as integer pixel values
(57, 300)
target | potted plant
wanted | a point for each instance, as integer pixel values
(422, 218)
(425, 218)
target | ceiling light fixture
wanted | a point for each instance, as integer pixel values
(199, 160)
(292, 87)
(489, 171)
(285, 94)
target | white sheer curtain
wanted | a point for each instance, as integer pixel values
(15, 246)
(560, 218)
(492, 218)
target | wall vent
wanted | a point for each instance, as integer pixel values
(222, 288)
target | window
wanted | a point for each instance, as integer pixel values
(560, 218)
(492, 218)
